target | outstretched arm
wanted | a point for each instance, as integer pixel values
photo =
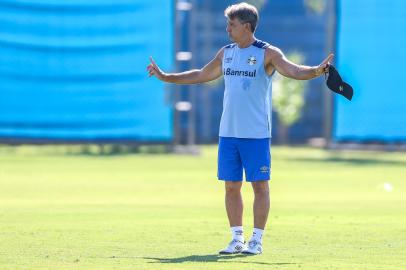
(209, 72)
(275, 59)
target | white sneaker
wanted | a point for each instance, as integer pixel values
(234, 247)
(254, 247)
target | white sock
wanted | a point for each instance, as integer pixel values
(238, 233)
(257, 235)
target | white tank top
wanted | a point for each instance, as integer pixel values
(247, 100)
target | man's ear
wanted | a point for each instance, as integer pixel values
(247, 26)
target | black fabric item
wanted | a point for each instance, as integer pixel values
(337, 85)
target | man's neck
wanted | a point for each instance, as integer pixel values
(246, 42)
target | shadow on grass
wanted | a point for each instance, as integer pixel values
(117, 150)
(210, 258)
(94, 150)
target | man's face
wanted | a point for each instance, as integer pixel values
(236, 29)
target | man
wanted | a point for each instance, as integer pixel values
(245, 127)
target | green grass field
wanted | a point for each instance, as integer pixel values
(330, 210)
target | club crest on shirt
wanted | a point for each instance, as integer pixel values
(246, 83)
(252, 60)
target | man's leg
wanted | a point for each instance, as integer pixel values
(261, 210)
(234, 203)
(234, 207)
(230, 168)
(261, 203)
(256, 160)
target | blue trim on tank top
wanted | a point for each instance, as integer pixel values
(260, 44)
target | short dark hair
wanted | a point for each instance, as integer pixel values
(244, 12)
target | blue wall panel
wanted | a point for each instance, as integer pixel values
(76, 69)
(371, 55)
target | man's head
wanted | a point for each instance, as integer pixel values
(242, 18)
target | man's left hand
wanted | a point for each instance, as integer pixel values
(323, 67)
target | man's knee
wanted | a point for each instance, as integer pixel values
(233, 187)
(261, 188)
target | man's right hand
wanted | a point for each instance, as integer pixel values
(208, 73)
(153, 69)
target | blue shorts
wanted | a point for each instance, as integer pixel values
(252, 155)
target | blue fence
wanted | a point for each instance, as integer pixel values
(371, 56)
(75, 70)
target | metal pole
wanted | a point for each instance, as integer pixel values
(330, 47)
(191, 139)
(185, 43)
(176, 94)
